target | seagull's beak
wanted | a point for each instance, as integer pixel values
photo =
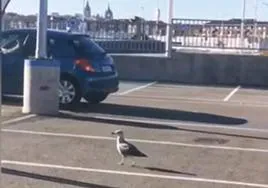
(113, 133)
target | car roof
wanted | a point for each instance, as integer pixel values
(49, 31)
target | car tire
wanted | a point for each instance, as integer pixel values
(96, 97)
(69, 92)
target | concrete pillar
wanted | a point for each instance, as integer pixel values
(40, 91)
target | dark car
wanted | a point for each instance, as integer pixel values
(87, 71)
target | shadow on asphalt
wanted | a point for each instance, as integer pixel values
(164, 170)
(51, 179)
(126, 123)
(113, 109)
(116, 122)
(158, 113)
(12, 101)
(146, 112)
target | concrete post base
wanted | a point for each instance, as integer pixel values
(40, 91)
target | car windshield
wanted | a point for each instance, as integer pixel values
(86, 46)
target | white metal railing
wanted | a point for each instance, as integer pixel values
(221, 34)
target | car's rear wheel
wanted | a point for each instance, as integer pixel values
(96, 97)
(69, 92)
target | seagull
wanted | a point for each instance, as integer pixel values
(126, 149)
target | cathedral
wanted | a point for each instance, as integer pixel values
(108, 14)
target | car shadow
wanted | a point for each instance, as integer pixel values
(144, 125)
(157, 113)
(156, 169)
(85, 108)
(12, 101)
(51, 179)
(145, 112)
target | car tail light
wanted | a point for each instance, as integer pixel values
(84, 65)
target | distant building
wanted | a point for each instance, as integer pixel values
(55, 14)
(87, 11)
(97, 25)
(109, 13)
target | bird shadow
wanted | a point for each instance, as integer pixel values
(155, 169)
(51, 179)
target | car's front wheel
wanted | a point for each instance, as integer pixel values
(69, 92)
(96, 97)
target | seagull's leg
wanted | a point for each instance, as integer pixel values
(122, 161)
(133, 163)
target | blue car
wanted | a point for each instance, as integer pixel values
(87, 71)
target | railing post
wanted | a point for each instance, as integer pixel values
(169, 28)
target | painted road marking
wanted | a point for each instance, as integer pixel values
(136, 89)
(126, 173)
(135, 140)
(228, 97)
(15, 120)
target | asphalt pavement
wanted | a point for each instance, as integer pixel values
(195, 136)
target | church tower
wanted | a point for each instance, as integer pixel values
(158, 15)
(109, 13)
(87, 11)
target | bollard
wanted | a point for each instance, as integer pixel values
(40, 90)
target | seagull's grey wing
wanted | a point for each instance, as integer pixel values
(133, 151)
(124, 148)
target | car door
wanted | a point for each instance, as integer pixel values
(12, 63)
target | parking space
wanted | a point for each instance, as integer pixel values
(10, 112)
(11, 108)
(193, 135)
(253, 96)
(169, 91)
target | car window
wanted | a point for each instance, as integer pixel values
(29, 46)
(86, 47)
(11, 42)
(60, 47)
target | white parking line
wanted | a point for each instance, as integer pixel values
(135, 140)
(125, 173)
(15, 120)
(137, 88)
(227, 98)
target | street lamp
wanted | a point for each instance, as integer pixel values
(41, 74)
(83, 13)
(83, 24)
(41, 42)
(169, 28)
(243, 23)
(256, 22)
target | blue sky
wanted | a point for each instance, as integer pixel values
(203, 9)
